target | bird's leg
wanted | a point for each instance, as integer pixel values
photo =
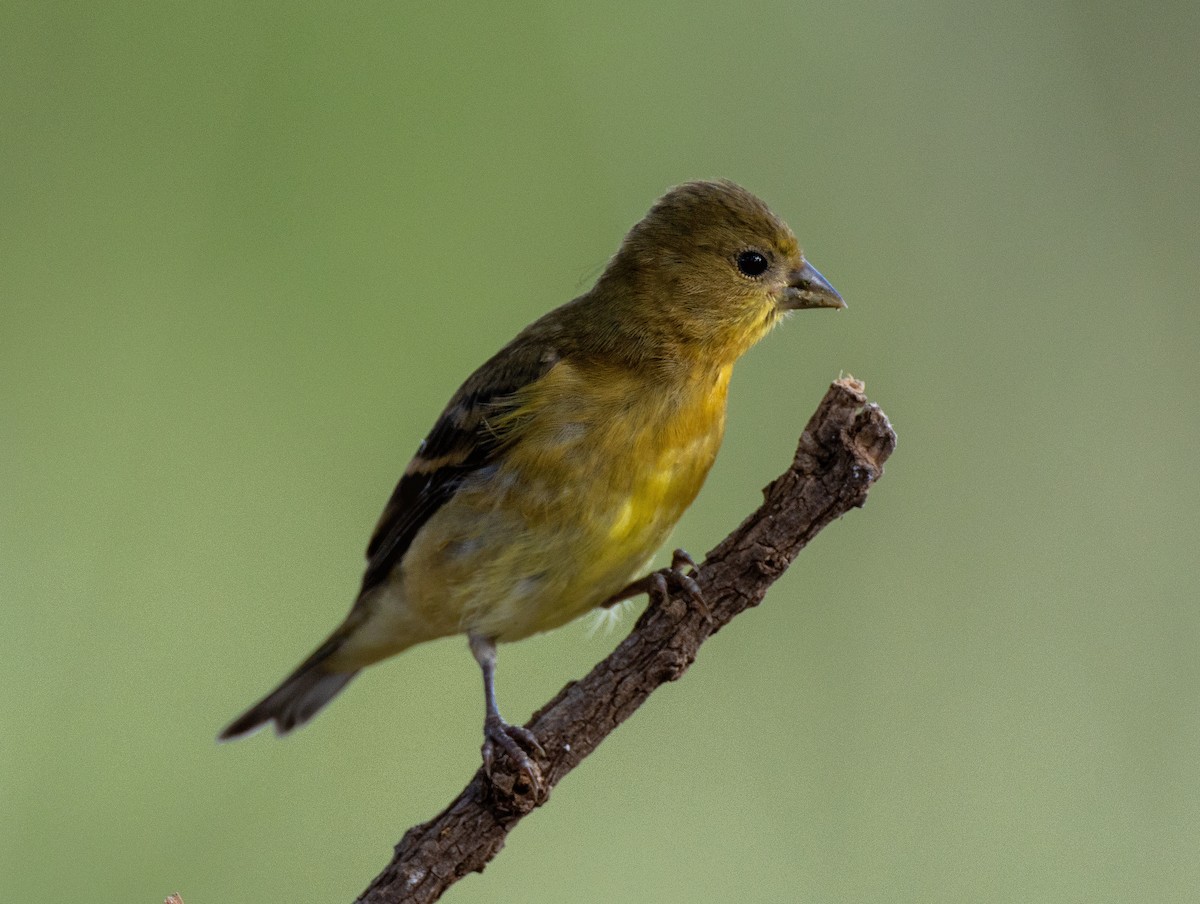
(515, 740)
(657, 583)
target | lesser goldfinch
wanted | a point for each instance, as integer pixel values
(562, 464)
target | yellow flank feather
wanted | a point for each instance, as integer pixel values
(563, 463)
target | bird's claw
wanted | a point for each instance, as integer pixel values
(516, 741)
(676, 578)
(659, 583)
(680, 558)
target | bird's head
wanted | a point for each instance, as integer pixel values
(711, 264)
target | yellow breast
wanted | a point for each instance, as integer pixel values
(598, 470)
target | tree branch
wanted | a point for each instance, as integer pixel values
(841, 453)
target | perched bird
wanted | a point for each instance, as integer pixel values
(562, 464)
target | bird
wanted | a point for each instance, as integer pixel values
(562, 464)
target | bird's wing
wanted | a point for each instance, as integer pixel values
(460, 443)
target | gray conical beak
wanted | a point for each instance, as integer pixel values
(807, 288)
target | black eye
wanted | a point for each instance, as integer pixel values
(752, 263)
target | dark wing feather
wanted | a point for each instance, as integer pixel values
(459, 444)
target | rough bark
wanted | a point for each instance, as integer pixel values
(841, 453)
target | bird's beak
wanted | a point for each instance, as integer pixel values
(807, 288)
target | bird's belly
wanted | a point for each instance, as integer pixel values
(537, 542)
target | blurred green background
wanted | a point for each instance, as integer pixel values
(248, 250)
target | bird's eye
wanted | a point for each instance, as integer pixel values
(752, 263)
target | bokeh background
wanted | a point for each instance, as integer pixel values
(248, 250)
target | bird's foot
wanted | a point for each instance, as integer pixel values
(518, 742)
(676, 578)
(658, 585)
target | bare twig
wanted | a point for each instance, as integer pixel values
(841, 453)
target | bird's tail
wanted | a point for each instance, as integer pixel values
(301, 695)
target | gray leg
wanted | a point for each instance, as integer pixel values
(515, 740)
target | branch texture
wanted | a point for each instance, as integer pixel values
(841, 453)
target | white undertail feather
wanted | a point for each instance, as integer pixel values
(605, 620)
